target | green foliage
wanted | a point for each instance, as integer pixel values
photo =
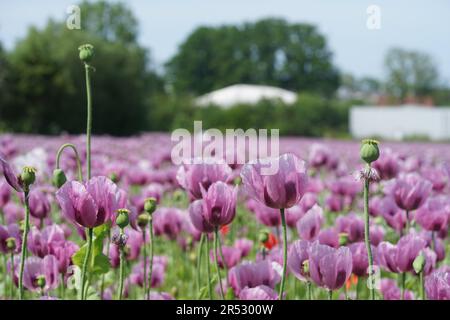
(270, 51)
(47, 79)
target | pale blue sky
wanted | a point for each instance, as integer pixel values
(414, 24)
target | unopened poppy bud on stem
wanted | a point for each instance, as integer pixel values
(143, 219)
(86, 52)
(150, 205)
(59, 178)
(263, 236)
(369, 150)
(122, 219)
(343, 239)
(28, 176)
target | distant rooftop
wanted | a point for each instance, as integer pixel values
(245, 94)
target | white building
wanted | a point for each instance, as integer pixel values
(399, 122)
(245, 94)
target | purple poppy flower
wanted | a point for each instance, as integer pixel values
(329, 237)
(160, 296)
(11, 176)
(158, 272)
(329, 267)
(394, 216)
(437, 177)
(376, 234)
(345, 186)
(390, 291)
(261, 292)
(88, 205)
(245, 245)
(360, 259)
(197, 217)
(46, 267)
(194, 176)
(387, 165)
(408, 248)
(293, 214)
(309, 225)
(63, 253)
(5, 193)
(168, 221)
(133, 247)
(351, 225)
(219, 203)
(13, 212)
(319, 155)
(267, 216)
(40, 242)
(282, 189)
(298, 255)
(231, 255)
(39, 204)
(437, 285)
(411, 191)
(430, 260)
(252, 275)
(434, 214)
(10, 231)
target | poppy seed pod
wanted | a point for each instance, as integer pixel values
(28, 176)
(150, 205)
(59, 178)
(143, 219)
(122, 219)
(86, 52)
(11, 243)
(369, 150)
(40, 281)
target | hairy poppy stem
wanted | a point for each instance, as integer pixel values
(89, 120)
(283, 278)
(24, 242)
(86, 262)
(121, 267)
(422, 286)
(222, 257)
(216, 240)
(11, 289)
(330, 295)
(102, 285)
(403, 280)
(199, 261)
(366, 233)
(77, 158)
(308, 285)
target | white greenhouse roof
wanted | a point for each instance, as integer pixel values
(245, 94)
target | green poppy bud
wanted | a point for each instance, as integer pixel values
(114, 177)
(11, 244)
(369, 150)
(263, 236)
(150, 205)
(419, 263)
(59, 178)
(86, 52)
(143, 219)
(343, 239)
(28, 176)
(40, 281)
(122, 219)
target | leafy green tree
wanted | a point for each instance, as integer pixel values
(410, 73)
(47, 78)
(270, 51)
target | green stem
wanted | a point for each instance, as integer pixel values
(283, 278)
(77, 157)
(216, 240)
(357, 288)
(86, 262)
(222, 257)
(63, 291)
(89, 120)
(199, 261)
(122, 268)
(367, 235)
(330, 295)
(407, 222)
(5, 278)
(422, 286)
(11, 288)
(403, 281)
(102, 285)
(433, 240)
(144, 249)
(308, 285)
(24, 243)
(208, 266)
(151, 258)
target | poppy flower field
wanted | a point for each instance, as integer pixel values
(96, 217)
